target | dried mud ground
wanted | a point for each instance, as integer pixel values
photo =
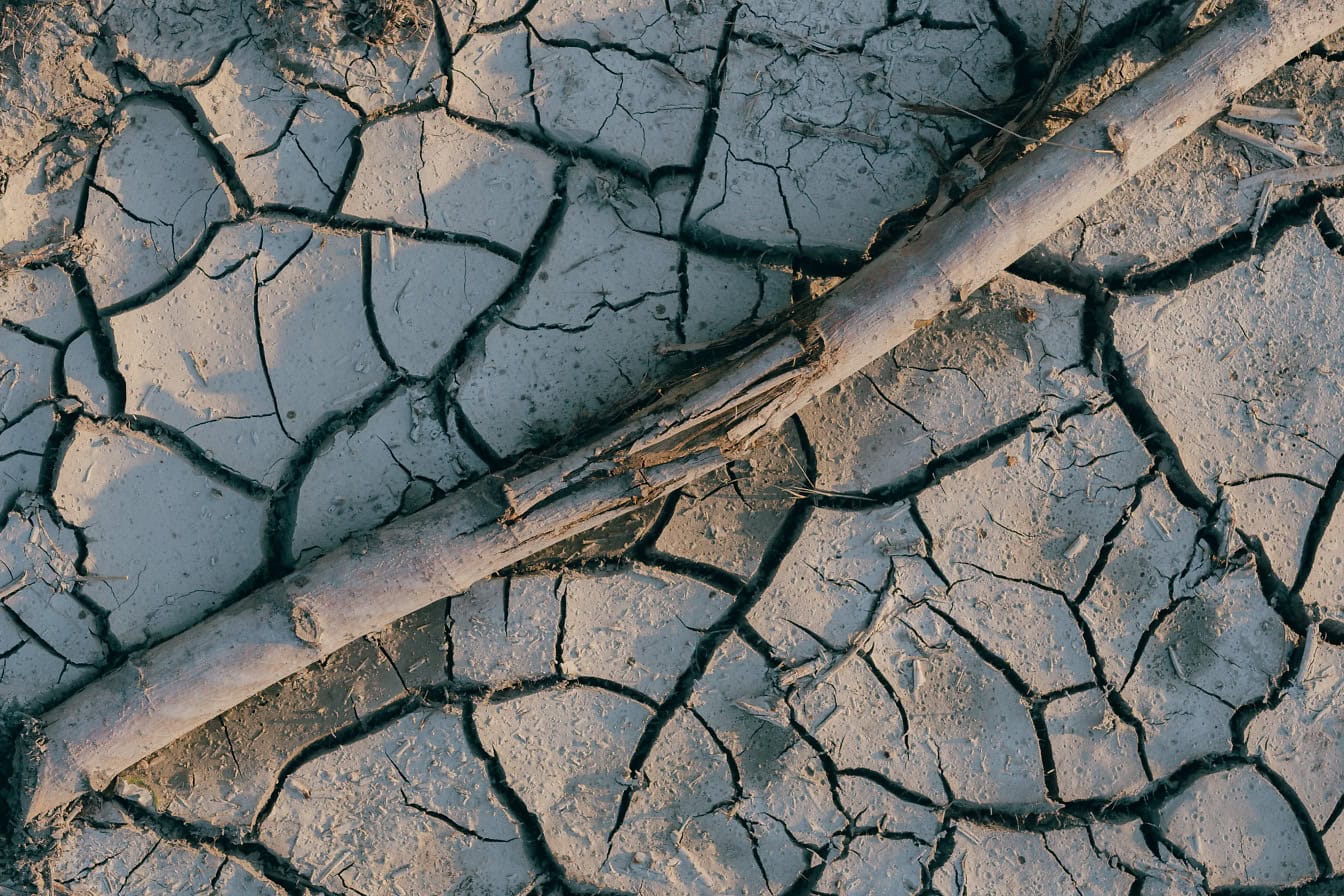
(1048, 600)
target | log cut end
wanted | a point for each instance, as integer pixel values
(44, 777)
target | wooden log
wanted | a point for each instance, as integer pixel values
(699, 424)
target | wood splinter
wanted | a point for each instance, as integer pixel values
(361, 587)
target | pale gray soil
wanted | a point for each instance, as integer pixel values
(1047, 600)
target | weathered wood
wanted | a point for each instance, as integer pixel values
(697, 426)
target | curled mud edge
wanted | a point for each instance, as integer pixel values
(694, 428)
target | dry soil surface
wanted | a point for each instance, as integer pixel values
(1048, 600)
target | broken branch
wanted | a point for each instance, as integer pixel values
(696, 426)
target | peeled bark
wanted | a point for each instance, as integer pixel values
(693, 428)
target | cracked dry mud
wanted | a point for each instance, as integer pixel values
(1046, 600)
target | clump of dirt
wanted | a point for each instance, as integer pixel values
(55, 97)
(375, 22)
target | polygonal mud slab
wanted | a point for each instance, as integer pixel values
(168, 540)
(26, 368)
(1248, 377)
(426, 294)
(23, 445)
(505, 630)
(1238, 827)
(41, 301)
(817, 149)
(436, 824)
(175, 43)
(318, 353)
(229, 773)
(1039, 514)
(40, 557)
(648, 109)
(438, 172)
(584, 335)
(213, 387)
(1096, 754)
(1213, 649)
(1154, 556)
(289, 145)
(733, 514)
(395, 460)
(996, 360)
(108, 855)
(1299, 740)
(565, 751)
(51, 636)
(634, 628)
(156, 191)
(987, 859)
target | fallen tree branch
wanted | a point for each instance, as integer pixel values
(693, 428)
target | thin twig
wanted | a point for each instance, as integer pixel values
(934, 109)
